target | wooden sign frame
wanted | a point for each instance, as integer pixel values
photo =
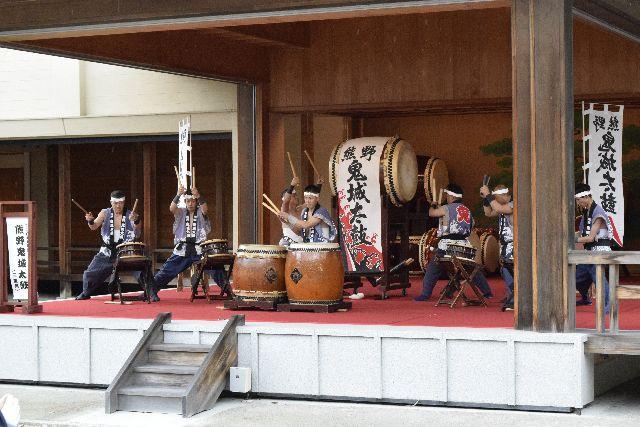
(31, 305)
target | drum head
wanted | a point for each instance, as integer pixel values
(133, 245)
(266, 251)
(490, 252)
(212, 241)
(436, 176)
(400, 168)
(315, 247)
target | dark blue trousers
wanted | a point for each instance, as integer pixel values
(506, 271)
(585, 276)
(175, 265)
(432, 274)
(96, 273)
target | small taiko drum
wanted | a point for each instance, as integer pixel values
(462, 250)
(398, 167)
(488, 255)
(427, 247)
(314, 273)
(436, 176)
(131, 256)
(215, 246)
(258, 273)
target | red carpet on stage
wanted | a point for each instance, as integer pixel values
(397, 310)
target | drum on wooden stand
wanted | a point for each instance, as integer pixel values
(314, 273)
(131, 256)
(215, 246)
(215, 253)
(398, 169)
(427, 247)
(258, 273)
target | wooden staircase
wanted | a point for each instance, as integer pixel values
(174, 378)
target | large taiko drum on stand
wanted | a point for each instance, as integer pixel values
(258, 273)
(314, 273)
(436, 176)
(131, 256)
(398, 169)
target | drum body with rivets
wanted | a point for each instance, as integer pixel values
(131, 256)
(314, 273)
(258, 273)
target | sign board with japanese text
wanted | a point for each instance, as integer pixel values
(359, 203)
(605, 160)
(18, 245)
(184, 153)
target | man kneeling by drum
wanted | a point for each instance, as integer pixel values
(455, 226)
(190, 229)
(316, 227)
(116, 227)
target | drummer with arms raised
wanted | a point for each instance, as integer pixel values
(595, 234)
(116, 227)
(190, 229)
(290, 206)
(455, 226)
(315, 222)
(499, 203)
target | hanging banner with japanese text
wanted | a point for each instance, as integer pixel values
(18, 245)
(359, 209)
(605, 160)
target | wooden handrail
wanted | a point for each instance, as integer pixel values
(608, 257)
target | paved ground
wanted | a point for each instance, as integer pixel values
(57, 406)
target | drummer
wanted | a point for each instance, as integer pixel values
(455, 226)
(116, 227)
(499, 203)
(290, 206)
(317, 227)
(190, 229)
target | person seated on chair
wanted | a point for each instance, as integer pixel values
(595, 233)
(455, 226)
(116, 227)
(315, 222)
(190, 229)
(499, 203)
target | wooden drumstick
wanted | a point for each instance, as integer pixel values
(177, 175)
(81, 208)
(273, 205)
(193, 177)
(135, 205)
(293, 170)
(269, 207)
(312, 165)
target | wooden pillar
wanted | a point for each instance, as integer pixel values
(247, 189)
(307, 174)
(64, 219)
(150, 217)
(543, 160)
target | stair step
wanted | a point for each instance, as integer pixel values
(136, 403)
(153, 391)
(190, 348)
(157, 368)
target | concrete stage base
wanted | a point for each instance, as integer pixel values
(423, 365)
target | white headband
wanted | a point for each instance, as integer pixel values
(500, 191)
(583, 194)
(188, 196)
(116, 200)
(310, 194)
(451, 193)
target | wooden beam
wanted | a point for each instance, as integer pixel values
(543, 160)
(624, 343)
(64, 218)
(149, 195)
(306, 172)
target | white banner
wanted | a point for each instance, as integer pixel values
(605, 165)
(359, 209)
(184, 153)
(18, 245)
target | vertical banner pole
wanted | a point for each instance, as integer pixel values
(584, 158)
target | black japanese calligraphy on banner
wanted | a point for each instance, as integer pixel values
(18, 246)
(605, 164)
(359, 210)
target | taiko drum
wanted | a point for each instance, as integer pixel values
(258, 273)
(314, 273)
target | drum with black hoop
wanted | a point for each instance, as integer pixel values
(314, 273)
(436, 176)
(462, 250)
(215, 246)
(485, 240)
(398, 167)
(427, 247)
(258, 273)
(131, 256)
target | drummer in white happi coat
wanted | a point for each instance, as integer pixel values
(315, 221)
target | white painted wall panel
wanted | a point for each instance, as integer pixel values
(64, 354)
(18, 353)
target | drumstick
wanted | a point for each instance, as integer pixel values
(293, 171)
(433, 188)
(273, 205)
(193, 177)
(177, 175)
(269, 207)
(312, 165)
(135, 204)
(78, 205)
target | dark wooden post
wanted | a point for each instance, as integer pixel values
(247, 162)
(149, 221)
(307, 174)
(543, 161)
(64, 218)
